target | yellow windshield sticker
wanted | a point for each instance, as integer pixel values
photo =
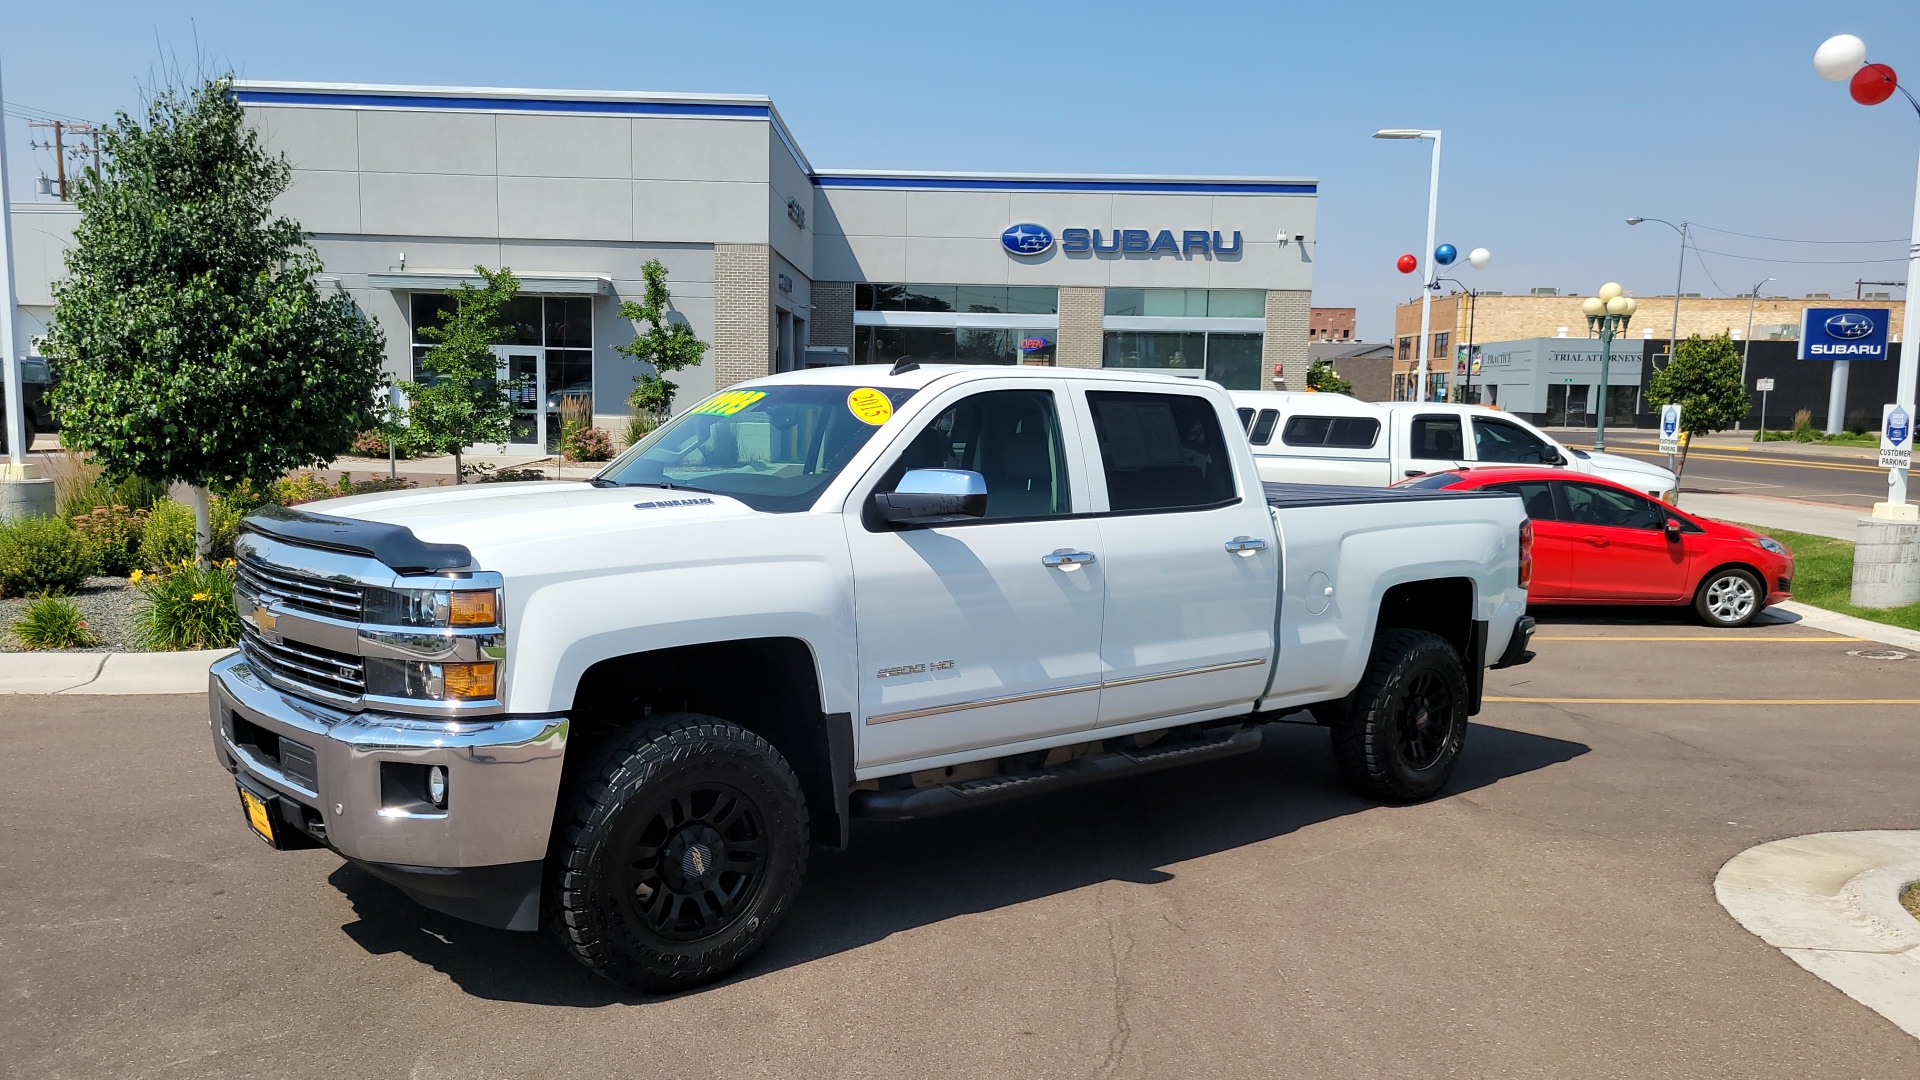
(870, 405)
(728, 403)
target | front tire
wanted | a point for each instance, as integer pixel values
(1406, 722)
(1729, 597)
(678, 853)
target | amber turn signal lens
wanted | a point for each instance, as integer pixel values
(469, 680)
(473, 608)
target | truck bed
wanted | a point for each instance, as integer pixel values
(1283, 496)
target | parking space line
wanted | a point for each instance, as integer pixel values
(1699, 637)
(1909, 702)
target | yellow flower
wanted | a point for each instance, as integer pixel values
(201, 596)
(229, 562)
(137, 575)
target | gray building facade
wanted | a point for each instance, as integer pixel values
(774, 263)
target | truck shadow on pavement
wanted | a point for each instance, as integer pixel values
(901, 875)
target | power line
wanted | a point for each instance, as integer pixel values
(1786, 240)
(1801, 262)
(28, 112)
(1703, 269)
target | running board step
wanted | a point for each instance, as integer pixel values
(925, 802)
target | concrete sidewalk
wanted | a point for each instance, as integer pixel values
(106, 672)
(1796, 515)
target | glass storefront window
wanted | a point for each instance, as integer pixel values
(966, 299)
(556, 331)
(1232, 360)
(1187, 303)
(951, 345)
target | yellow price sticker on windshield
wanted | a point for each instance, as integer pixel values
(870, 405)
(729, 403)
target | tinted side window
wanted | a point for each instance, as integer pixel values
(1536, 494)
(1246, 419)
(1496, 440)
(1344, 432)
(1263, 427)
(1161, 451)
(1591, 504)
(1438, 437)
(1011, 438)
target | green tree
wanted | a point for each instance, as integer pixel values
(191, 341)
(665, 346)
(464, 403)
(1322, 377)
(1704, 378)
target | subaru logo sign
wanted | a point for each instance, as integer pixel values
(1028, 239)
(1669, 422)
(1899, 426)
(1849, 326)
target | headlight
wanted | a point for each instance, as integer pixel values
(432, 680)
(1768, 543)
(433, 607)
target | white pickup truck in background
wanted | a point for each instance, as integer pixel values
(624, 707)
(1308, 438)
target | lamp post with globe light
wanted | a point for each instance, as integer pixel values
(1433, 213)
(1843, 58)
(1608, 312)
(1478, 258)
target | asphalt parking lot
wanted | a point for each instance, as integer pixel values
(1551, 915)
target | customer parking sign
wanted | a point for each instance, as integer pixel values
(1896, 438)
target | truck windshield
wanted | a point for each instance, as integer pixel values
(774, 448)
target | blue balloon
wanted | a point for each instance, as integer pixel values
(1445, 254)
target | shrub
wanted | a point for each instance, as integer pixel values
(113, 534)
(187, 607)
(511, 476)
(587, 444)
(169, 538)
(82, 494)
(374, 444)
(374, 485)
(52, 623)
(42, 555)
(640, 425)
(306, 488)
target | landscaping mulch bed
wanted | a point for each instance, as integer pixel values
(106, 603)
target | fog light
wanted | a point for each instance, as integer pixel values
(437, 786)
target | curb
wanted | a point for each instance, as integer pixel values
(107, 673)
(1831, 902)
(1850, 626)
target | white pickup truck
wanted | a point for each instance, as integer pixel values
(1302, 437)
(624, 707)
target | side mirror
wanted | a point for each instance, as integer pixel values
(1673, 528)
(1553, 457)
(933, 496)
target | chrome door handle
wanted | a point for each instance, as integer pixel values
(1067, 559)
(1246, 546)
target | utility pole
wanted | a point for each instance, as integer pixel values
(62, 129)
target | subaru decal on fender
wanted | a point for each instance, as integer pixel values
(1027, 239)
(1843, 334)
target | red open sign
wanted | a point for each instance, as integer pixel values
(1033, 344)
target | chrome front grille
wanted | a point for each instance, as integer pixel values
(298, 591)
(339, 674)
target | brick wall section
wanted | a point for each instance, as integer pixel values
(1285, 343)
(1081, 343)
(832, 314)
(1515, 318)
(742, 313)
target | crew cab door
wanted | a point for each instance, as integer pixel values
(1192, 557)
(986, 631)
(1435, 442)
(1620, 545)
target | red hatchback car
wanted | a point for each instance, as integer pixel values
(1596, 542)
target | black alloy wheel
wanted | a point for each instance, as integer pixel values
(1406, 723)
(696, 862)
(1423, 719)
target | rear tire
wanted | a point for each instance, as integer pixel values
(1729, 597)
(677, 853)
(1406, 722)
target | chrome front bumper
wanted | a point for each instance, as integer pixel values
(502, 783)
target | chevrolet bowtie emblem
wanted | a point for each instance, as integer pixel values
(264, 620)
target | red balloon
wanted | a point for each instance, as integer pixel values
(1407, 263)
(1873, 84)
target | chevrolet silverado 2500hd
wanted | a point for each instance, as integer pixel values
(624, 708)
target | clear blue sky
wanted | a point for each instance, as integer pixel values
(1561, 120)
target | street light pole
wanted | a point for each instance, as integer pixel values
(1608, 312)
(1746, 349)
(1433, 213)
(1673, 338)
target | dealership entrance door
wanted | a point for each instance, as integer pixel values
(523, 371)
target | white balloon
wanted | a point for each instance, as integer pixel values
(1478, 258)
(1839, 57)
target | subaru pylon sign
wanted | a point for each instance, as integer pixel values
(1027, 239)
(1843, 334)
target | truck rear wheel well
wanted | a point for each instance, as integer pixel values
(769, 686)
(1442, 606)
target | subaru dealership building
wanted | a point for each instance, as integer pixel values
(775, 263)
